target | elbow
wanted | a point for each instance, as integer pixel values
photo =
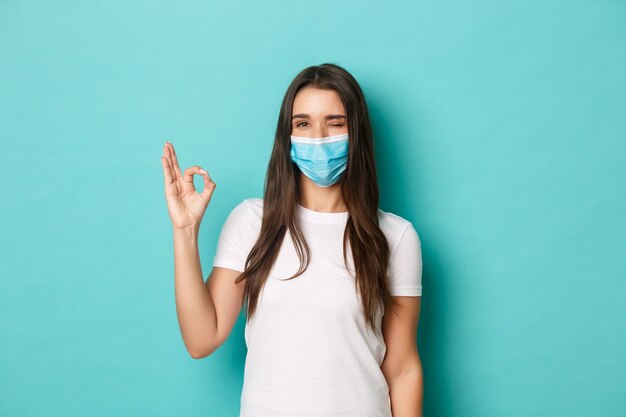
(199, 352)
(196, 354)
(407, 365)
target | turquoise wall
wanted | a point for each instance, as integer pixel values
(501, 134)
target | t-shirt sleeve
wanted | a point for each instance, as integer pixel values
(233, 244)
(406, 265)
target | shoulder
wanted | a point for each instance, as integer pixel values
(249, 209)
(243, 222)
(254, 204)
(395, 228)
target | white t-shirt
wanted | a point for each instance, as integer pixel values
(310, 353)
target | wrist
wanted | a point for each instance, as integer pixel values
(187, 232)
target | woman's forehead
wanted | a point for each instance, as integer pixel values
(315, 102)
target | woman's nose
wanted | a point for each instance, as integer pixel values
(320, 132)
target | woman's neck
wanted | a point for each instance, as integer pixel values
(323, 199)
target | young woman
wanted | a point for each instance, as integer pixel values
(331, 284)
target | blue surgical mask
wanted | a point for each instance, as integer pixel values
(323, 160)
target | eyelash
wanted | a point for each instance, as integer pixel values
(335, 124)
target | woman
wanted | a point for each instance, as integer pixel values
(331, 283)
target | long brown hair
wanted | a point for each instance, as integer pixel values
(359, 190)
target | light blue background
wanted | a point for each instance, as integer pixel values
(500, 133)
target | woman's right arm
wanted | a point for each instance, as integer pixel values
(207, 311)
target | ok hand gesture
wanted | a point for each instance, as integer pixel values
(185, 205)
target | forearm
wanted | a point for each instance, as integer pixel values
(406, 392)
(194, 307)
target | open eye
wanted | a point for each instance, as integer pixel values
(298, 124)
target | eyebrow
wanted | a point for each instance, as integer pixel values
(329, 117)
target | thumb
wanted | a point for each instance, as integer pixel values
(209, 186)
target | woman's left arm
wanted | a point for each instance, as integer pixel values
(402, 366)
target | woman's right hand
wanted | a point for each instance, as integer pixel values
(185, 205)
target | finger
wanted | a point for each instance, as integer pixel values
(168, 155)
(174, 159)
(166, 171)
(209, 186)
(190, 172)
